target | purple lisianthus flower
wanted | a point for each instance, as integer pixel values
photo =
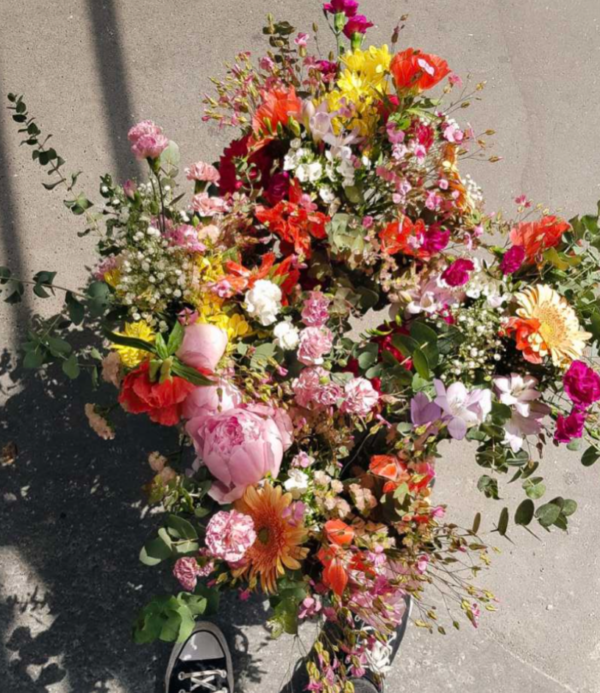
(582, 384)
(348, 7)
(462, 408)
(569, 427)
(357, 25)
(512, 260)
(423, 411)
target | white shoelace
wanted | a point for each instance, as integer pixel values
(380, 657)
(204, 679)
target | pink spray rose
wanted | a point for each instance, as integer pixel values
(149, 146)
(230, 535)
(359, 397)
(187, 570)
(204, 401)
(240, 447)
(582, 384)
(203, 346)
(202, 172)
(315, 309)
(315, 342)
(457, 274)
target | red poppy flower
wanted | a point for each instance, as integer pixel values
(161, 401)
(537, 236)
(415, 71)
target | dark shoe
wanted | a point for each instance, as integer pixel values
(365, 685)
(201, 664)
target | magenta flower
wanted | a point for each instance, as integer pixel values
(302, 39)
(357, 25)
(434, 240)
(582, 384)
(230, 535)
(512, 259)
(348, 7)
(187, 570)
(149, 146)
(457, 274)
(315, 343)
(315, 311)
(569, 427)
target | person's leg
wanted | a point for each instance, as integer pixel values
(201, 664)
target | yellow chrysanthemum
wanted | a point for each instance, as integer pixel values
(211, 268)
(112, 277)
(278, 542)
(558, 330)
(360, 87)
(130, 356)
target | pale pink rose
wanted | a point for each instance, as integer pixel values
(204, 401)
(359, 397)
(315, 310)
(149, 146)
(313, 388)
(187, 570)
(239, 447)
(315, 342)
(145, 127)
(111, 369)
(230, 535)
(203, 172)
(208, 206)
(203, 346)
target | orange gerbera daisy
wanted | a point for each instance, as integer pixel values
(278, 542)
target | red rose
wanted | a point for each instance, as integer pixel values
(161, 401)
(416, 71)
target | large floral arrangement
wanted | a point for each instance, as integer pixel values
(307, 454)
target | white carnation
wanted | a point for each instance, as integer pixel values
(286, 335)
(263, 302)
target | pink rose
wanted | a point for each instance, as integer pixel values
(359, 397)
(313, 388)
(204, 401)
(208, 206)
(315, 310)
(149, 146)
(202, 172)
(187, 570)
(145, 127)
(230, 535)
(203, 346)
(315, 342)
(239, 447)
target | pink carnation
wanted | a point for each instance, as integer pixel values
(187, 570)
(229, 535)
(203, 172)
(313, 388)
(315, 342)
(569, 427)
(145, 127)
(582, 384)
(359, 397)
(315, 310)
(207, 206)
(512, 259)
(457, 274)
(149, 146)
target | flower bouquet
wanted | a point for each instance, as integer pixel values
(233, 314)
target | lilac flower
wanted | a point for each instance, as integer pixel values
(520, 393)
(423, 411)
(462, 408)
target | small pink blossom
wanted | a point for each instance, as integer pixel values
(186, 237)
(433, 200)
(443, 184)
(111, 369)
(359, 397)
(202, 172)
(187, 571)
(229, 535)
(108, 264)
(315, 343)
(130, 188)
(187, 316)
(302, 40)
(98, 423)
(145, 127)
(149, 146)
(455, 80)
(313, 388)
(453, 133)
(266, 64)
(208, 206)
(523, 201)
(367, 222)
(315, 309)
(310, 607)
(302, 460)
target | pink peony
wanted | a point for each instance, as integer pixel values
(203, 346)
(359, 397)
(240, 447)
(315, 309)
(512, 259)
(149, 146)
(569, 427)
(205, 401)
(208, 206)
(145, 127)
(313, 388)
(202, 172)
(457, 274)
(230, 535)
(315, 342)
(187, 570)
(582, 384)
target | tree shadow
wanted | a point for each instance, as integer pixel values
(73, 521)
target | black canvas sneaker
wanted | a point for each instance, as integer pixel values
(202, 664)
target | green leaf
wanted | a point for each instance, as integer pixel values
(5, 275)
(170, 159)
(160, 346)
(33, 359)
(369, 356)
(175, 338)
(75, 308)
(182, 528)
(476, 523)
(134, 342)
(155, 551)
(58, 346)
(524, 513)
(569, 507)
(503, 522)
(421, 364)
(99, 298)
(71, 367)
(427, 340)
(590, 456)
(488, 486)
(190, 374)
(405, 344)
(534, 488)
(548, 514)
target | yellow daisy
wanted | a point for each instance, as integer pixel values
(130, 356)
(558, 330)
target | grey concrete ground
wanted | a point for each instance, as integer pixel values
(71, 520)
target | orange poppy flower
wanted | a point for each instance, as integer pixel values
(538, 236)
(339, 532)
(415, 71)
